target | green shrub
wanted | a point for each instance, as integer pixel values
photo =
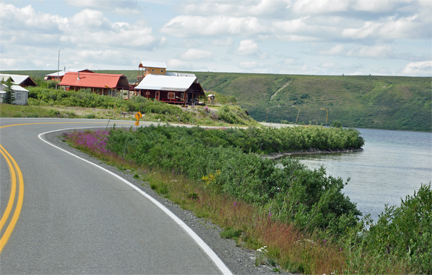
(406, 231)
(309, 199)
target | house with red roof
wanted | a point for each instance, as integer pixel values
(103, 84)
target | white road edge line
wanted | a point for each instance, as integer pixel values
(221, 265)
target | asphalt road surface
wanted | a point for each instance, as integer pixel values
(68, 216)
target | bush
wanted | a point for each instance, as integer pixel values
(309, 199)
(406, 231)
(336, 124)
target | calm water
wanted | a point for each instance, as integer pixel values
(392, 165)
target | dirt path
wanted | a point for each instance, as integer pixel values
(281, 88)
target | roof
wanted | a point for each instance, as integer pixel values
(153, 64)
(61, 73)
(94, 80)
(179, 74)
(166, 83)
(15, 88)
(16, 78)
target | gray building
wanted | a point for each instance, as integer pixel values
(20, 94)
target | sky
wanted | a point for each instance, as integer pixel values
(309, 37)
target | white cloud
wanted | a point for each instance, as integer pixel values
(9, 62)
(248, 64)
(247, 46)
(87, 27)
(88, 20)
(412, 27)
(330, 65)
(194, 26)
(26, 18)
(195, 54)
(124, 7)
(418, 68)
(380, 51)
(289, 61)
(176, 64)
(335, 50)
(260, 8)
(305, 20)
(377, 51)
(222, 42)
(97, 55)
(319, 6)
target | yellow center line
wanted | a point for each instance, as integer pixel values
(17, 212)
(34, 123)
(15, 170)
(12, 194)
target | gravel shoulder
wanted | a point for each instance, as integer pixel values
(238, 259)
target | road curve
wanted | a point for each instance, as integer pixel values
(77, 218)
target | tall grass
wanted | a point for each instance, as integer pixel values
(45, 96)
(302, 217)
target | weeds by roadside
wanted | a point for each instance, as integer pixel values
(290, 240)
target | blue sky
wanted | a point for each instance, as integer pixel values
(326, 37)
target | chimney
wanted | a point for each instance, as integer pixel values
(78, 76)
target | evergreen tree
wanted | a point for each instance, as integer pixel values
(9, 97)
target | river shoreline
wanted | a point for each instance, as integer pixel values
(312, 151)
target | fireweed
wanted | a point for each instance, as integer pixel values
(92, 141)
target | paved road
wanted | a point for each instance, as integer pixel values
(78, 219)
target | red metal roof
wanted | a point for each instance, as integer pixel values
(94, 80)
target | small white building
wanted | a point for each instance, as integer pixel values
(22, 80)
(20, 94)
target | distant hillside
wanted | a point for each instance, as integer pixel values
(384, 102)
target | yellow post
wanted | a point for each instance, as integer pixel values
(324, 109)
(297, 113)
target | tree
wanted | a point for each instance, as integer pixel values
(9, 97)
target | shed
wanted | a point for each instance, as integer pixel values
(20, 94)
(103, 84)
(174, 88)
(150, 67)
(22, 80)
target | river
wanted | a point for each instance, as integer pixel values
(392, 165)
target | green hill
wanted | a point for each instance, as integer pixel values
(384, 102)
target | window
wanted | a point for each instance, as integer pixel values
(18, 96)
(161, 71)
(171, 95)
(152, 70)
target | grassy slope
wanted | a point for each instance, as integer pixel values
(359, 101)
(385, 102)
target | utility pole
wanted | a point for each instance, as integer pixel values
(297, 113)
(324, 109)
(266, 114)
(58, 67)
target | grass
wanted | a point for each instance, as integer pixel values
(254, 227)
(8, 110)
(197, 115)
